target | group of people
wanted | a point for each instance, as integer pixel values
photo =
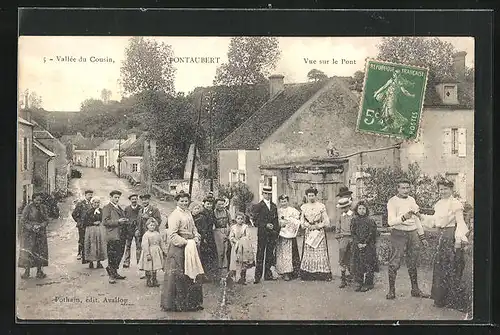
(199, 243)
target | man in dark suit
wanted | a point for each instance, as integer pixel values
(265, 215)
(78, 215)
(113, 217)
(132, 214)
(147, 211)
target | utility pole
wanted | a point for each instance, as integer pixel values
(119, 159)
(211, 166)
(193, 165)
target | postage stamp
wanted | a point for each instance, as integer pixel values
(392, 99)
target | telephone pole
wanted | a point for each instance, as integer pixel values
(193, 165)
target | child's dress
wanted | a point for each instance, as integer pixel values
(364, 231)
(242, 255)
(152, 244)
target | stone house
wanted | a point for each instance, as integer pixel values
(80, 149)
(132, 157)
(446, 143)
(303, 136)
(106, 154)
(44, 169)
(62, 165)
(24, 184)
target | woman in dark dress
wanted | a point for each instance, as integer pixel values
(364, 257)
(179, 292)
(34, 251)
(205, 222)
(95, 248)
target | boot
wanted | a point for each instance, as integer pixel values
(99, 265)
(392, 284)
(343, 280)
(415, 290)
(91, 265)
(111, 275)
(117, 275)
(369, 280)
(243, 277)
(40, 274)
(26, 273)
(149, 282)
(154, 282)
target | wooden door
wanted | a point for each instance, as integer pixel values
(101, 162)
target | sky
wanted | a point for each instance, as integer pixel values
(64, 85)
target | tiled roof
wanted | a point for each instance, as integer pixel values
(42, 134)
(136, 148)
(43, 149)
(23, 121)
(270, 116)
(108, 144)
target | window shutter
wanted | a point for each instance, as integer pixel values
(462, 142)
(275, 188)
(230, 177)
(447, 141)
(462, 186)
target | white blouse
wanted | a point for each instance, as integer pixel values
(449, 213)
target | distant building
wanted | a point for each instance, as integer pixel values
(132, 159)
(81, 149)
(62, 165)
(106, 153)
(24, 185)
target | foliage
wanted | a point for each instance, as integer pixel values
(147, 67)
(239, 195)
(357, 80)
(34, 100)
(316, 75)
(105, 95)
(250, 60)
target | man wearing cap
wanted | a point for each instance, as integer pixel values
(205, 222)
(113, 217)
(343, 230)
(147, 211)
(132, 214)
(221, 234)
(407, 235)
(265, 215)
(78, 215)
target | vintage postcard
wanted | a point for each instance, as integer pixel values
(163, 178)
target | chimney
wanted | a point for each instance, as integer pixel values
(132, 137)
(276, 85)
(459, 65)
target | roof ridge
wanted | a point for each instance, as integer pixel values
(253, 115)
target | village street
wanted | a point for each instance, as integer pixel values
(72, 291)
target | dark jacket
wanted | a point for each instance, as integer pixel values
(262, 216)
(110, 217)
(91, 217)
(80, 210)
(134, 217)
(364, 231)
(143, 218)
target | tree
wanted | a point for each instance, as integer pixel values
(92, 106)
(250, 60)
(316, 75)
(239, 195)
(357, 81)
(105, 95)
(32, 98)
(147, 67)
(433, 53)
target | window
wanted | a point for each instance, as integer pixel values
(25, 194)
(455, 141)
(134, 167)
(25, 153)
(237, 176)
(450, 94)
(173, 188)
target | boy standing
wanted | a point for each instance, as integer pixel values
(344, 238)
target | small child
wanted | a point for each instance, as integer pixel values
(153, 248)
(364, 257)
(241, 252)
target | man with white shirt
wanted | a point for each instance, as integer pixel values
(407, 235)
(265, 215)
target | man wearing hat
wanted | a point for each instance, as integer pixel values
(343, 230)
(205, 222)
(407, 235)
(113, 218)
(265, 215)
(78, 215)
(132, 214)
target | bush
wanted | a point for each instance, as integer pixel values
(238, 193)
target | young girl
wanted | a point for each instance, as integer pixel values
(364, 257)
(242, 256)
(153, 248)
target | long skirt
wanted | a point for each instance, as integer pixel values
(315, 263)
(95, 244)
(156, 261)
(448, 269)
(287, 257)
(179, 292)
(208, 258)
(364, 260)
(245, 256)
(34, 250)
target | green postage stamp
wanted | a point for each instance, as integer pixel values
(392, 100)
